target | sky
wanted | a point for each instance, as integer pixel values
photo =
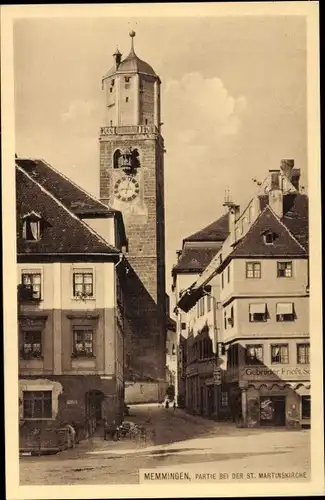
(233, 103)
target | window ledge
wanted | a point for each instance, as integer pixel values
(85, 299)
(23, 358)
(24, 419)
(81, 357)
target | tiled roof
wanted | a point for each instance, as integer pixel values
(63, 232)
(216, 231)
(132, 64)
(63, 189)
(295, 215)
(253, 244)
(195, 259)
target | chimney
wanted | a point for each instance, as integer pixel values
(178, 253)
(295, 178)
(233, 211)
(287, 167)
(276, 194)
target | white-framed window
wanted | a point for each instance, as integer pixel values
(31, 280)
(279, 353)
(31, 344)
(284, 269)
(253, 354)
(230, 319)
(269, 237)
(285, 311)
(83, 341)
(257, 312)
(37, 404)
(253, 270)
(83, 283)
(303, 353)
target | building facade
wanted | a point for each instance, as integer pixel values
(70, 281)
(132, 181)
(197, 251)
(264, 295)
(171, 353)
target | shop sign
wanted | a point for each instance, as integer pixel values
(283, 372)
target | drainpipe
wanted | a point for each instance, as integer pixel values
(215, 334)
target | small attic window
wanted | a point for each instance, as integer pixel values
(32, 227)
(127, 79)
(269, 237)
(112, 82)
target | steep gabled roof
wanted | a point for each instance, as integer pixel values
(295, 215)
(253, 244)
(195, 259)
(64, 232)
(216, 231)
(76, 199)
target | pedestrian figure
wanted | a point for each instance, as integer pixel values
(71, 436)
(77, 429)
(167, 404)
(174, 405)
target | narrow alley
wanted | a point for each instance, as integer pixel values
(180, 442)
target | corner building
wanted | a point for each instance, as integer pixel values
(132, 181)
(70, 274)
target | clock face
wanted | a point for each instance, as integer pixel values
(126, 188)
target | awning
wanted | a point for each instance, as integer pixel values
(257, 308)
(284, 308)
(189, 298)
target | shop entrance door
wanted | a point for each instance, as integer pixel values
(272, 410)
(279, 403)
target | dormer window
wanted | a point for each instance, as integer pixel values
(269, 237)
(32, 227)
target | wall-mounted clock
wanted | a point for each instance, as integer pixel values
(126, 188)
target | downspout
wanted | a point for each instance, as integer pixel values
(215, 333)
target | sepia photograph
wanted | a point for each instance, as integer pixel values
(162, 186)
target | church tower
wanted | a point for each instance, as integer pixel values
(132, 181)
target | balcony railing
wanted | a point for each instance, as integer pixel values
(129, 129)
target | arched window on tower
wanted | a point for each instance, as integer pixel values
(135, 158)
(116, 157)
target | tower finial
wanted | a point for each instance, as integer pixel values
(132, 35)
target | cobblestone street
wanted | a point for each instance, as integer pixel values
(181, 442)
